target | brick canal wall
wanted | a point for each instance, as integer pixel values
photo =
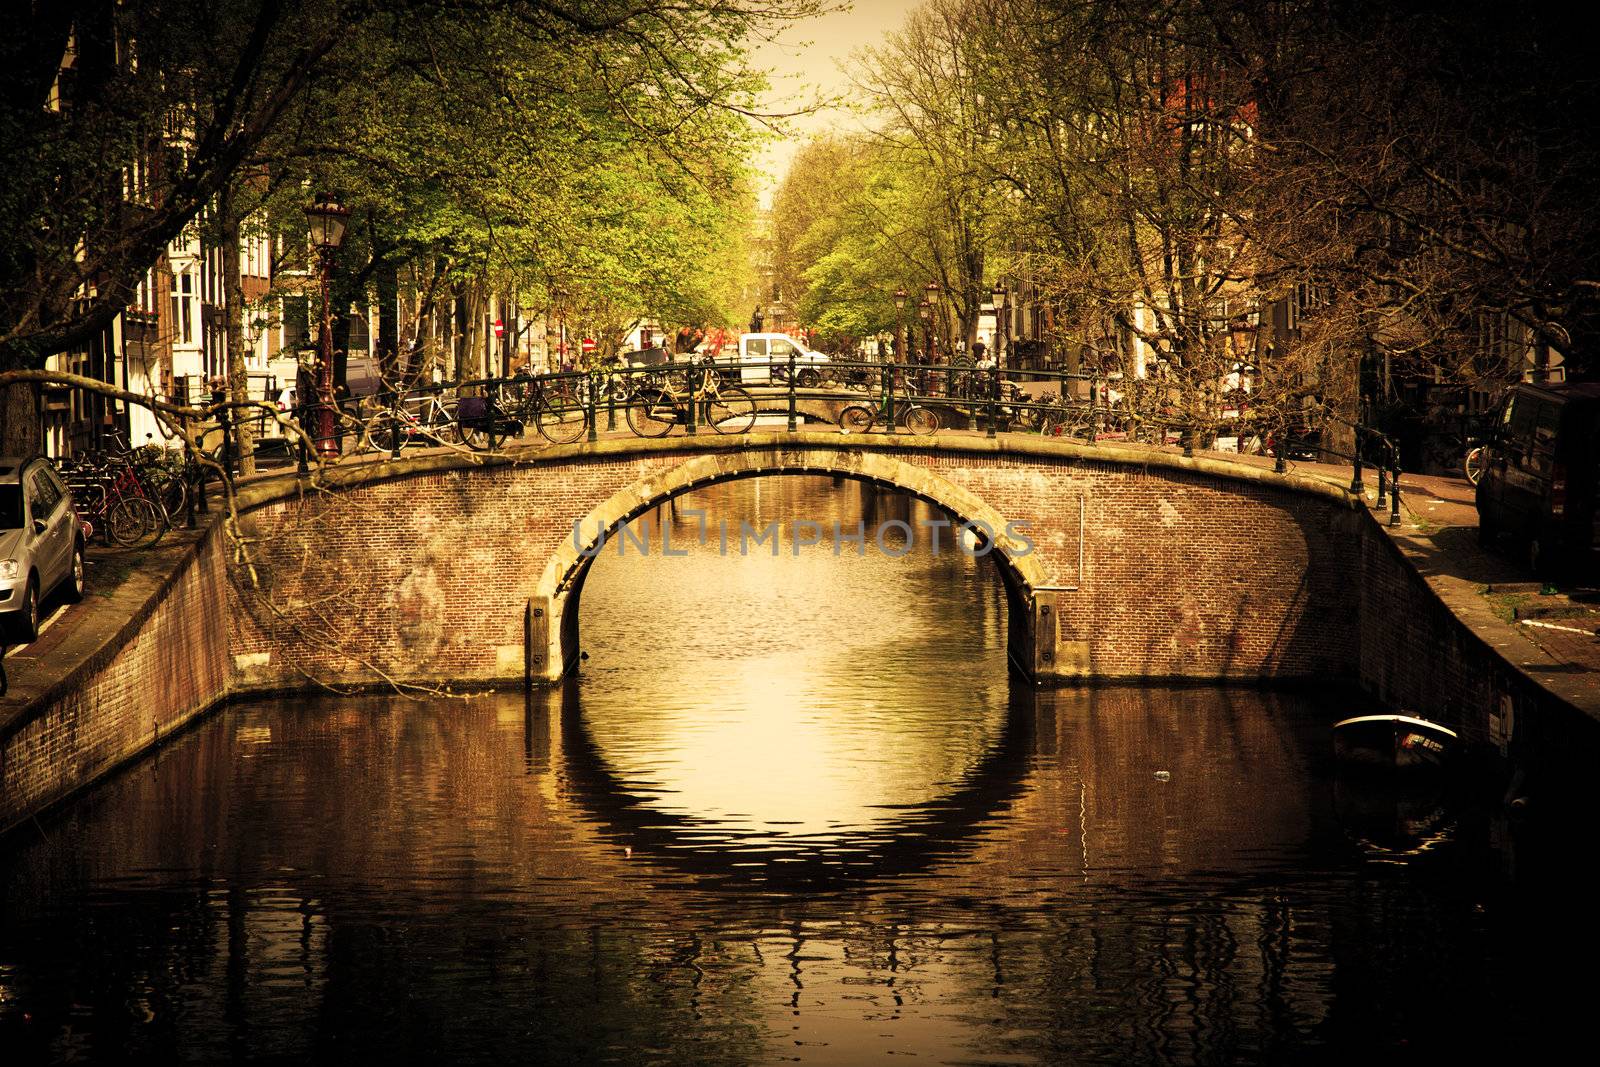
(153, 674)
(1416, 655)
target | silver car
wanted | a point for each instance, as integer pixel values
(41, 543)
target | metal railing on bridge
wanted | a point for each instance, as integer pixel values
(732, 396)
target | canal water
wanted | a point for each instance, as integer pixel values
(793, 811)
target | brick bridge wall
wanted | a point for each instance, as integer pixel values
(1191, 569)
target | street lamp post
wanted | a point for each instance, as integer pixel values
(1002, 323)
(900, 325)
(932, 289)
(327, 218)
(925, 313)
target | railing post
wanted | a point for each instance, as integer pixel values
(693, 379)
(1394, 492)
(225, 425)
(189, 478)
(1356, 485)
(394, 424)
(611, 406)
(793, 381)
(198, 489)
(594, 386)
(1280, 446)
(969, 390)
(994, 400)
(1383, 487)
(1094, 400)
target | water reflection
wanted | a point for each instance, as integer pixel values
(822, 851)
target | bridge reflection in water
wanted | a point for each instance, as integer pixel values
(815, 824)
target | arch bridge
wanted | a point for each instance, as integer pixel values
(1122, 563)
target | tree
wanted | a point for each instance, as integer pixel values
(937, 128)
(163, 104)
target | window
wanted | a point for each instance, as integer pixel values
(1546, 424)
(41, 502)
(360, 339)
(296, 325)
(757, 347)
(781, 349)
(55, 481)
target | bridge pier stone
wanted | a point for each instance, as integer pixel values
(542, 643)
(1045, 650)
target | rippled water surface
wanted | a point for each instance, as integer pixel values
(793, 811)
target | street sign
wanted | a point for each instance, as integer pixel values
(499, 328)
(589, 344)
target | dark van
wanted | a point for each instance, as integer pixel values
(1541, 484)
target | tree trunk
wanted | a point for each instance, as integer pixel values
(233, 298)
(19, 420)
(386, 279)
(477, 304)
(552, 341)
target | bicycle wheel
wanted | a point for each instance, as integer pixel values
(173, 493)
(480, 437)
(1477, 459)
(652, 413)
(133, 520)
(561, 416)
(441, 427)
(921, 421)
(731, 411)
(857, 418)
(382, 431)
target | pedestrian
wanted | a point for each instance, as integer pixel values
(983, 365)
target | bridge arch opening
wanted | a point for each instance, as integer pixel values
(560, 589)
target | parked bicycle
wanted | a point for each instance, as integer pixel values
(482, 422)
(112, 503)
(861, 418)
(664, 400)
(558, 407)
(425, 418)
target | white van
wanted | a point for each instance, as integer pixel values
(760, 349)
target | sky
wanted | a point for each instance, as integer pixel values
(811, 57)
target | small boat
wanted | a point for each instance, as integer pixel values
(1397, 741)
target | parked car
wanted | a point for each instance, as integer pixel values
(757, 350)
(41, 543)
(1541, 481)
